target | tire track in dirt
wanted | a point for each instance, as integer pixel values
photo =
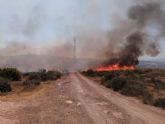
(75, 99)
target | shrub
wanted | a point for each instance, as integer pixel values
(53, 75)
(107, 83)
(134, 88)
(118, 83)
(34, 76)
(90, 73)
(159, 84)
(147, 97)
(129, 72)
(160, 103)
(43, 75)
(11, 74)
(30, 84)
(110, 75)
(4, 85)
(137, 71)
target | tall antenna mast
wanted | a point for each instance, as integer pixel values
(75, 48)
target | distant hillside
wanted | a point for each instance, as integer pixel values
(153, 64)
(31, 62)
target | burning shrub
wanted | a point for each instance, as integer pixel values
(11, 74)
(4, 85)
(115, 67)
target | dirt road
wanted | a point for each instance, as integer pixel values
(77, 100)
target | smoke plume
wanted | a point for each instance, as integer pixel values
(132, 39)
(123, 43)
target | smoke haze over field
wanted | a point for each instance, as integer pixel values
(103, 31)
(134, 40)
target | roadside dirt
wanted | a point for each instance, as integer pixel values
(74, 99)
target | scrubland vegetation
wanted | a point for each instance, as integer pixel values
(145, 84)
(27, 81)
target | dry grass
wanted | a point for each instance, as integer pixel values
(19, 93)
(28, 85)
(145, 84)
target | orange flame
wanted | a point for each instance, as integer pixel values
(115, 68)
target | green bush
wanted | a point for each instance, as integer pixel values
(137, 71)
(90, 73)
(118, 83)
(141, 83)
(34, 76)
(129, 72)
(4, 85)
(159, 84)
(50, 75)
(107, 83)
(43, 75)
(11, 74)
(137, 89)
(110, 75)
(160, 103)
(53, 75)
(30, 84)
(147, 97)
(134, 88)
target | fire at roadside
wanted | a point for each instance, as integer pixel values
(114, 68)
(131, 40)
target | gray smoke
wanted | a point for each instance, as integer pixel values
(132, 39)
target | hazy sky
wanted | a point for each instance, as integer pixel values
(38, 22)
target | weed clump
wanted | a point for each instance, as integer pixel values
(30, 84)
(116, 83)
(160, 102)
(44, 75)
(11, 73)
(4, 85)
